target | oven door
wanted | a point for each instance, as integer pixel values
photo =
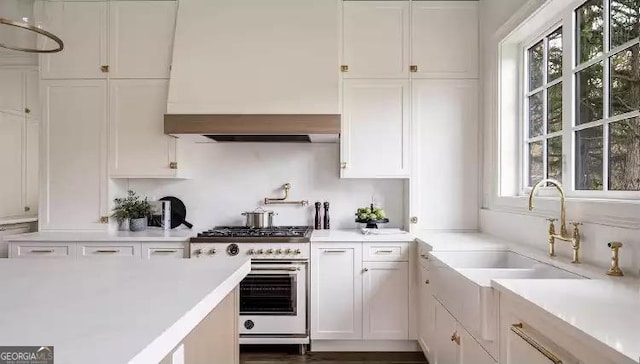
(273, 299)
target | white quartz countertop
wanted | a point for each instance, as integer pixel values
(357, 235)
(152, 234)
(110, 311)
(598, 309)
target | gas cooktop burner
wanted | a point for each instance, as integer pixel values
(244, 233)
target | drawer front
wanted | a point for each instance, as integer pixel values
(163, 251)
(43, 250)
(110, 250)
(386, 252)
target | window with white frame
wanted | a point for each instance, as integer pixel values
(597, 128)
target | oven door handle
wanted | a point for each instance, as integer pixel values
(288, 269)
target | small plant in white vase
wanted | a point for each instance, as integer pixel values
(132, 209)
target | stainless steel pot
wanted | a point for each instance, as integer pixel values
(259, 218)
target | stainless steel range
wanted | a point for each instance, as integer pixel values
(274, 296)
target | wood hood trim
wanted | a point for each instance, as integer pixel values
(255, 124)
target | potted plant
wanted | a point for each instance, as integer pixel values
(132, 209)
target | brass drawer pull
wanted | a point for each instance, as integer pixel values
(384, 251)
(424, 256)
(335, 250)
(107, 250)
(517, 329)
(42, 251)
(166, 251)
(455, 338)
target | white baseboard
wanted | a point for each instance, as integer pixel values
(365, 345)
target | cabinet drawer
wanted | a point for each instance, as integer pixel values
(111, 250)
(386, 252)
(163, 250)
(43, 250)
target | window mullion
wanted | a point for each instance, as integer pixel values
(606, 92)
(568, 100)
(545, 106)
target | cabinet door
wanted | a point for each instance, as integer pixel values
(444, 38)
(11, 91)
(446, 349)
(138, 145)
(83, 28)
(336, 291)
(375, 129)
(385, 309)
(141, 38)
(376, 39)
(445, 138)
(33, 108)
(426, 312)
(74, 142)
(472, 353)
(11, 157)
(32, 167)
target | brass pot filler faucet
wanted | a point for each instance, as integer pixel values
(564, 235)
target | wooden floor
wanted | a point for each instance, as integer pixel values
(290, 356)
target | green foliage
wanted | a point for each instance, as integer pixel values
(370, 213)
(130, 207)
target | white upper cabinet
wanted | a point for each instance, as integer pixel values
(83, 27)
(275, 57)
(141, 38)
(32, 106)
(74, 168)
(445, 139)
(385, 309)
(138, 146)
(444, 39)
(11, 155)
(32, 167)
(376, 39)
(375, 129)
(11, 91)
(336, 291)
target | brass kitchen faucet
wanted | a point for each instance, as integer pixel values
(574, 239)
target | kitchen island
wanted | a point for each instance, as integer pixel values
(122, 311)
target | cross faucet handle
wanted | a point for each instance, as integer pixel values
(552, 220)
(575, 224)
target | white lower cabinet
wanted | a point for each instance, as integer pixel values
(164, 251)
(336, 291)
(453, 344)
(529, 337)
(41, 249)
(353, 299)
(109, 250)
(97, 249)
(385, 304)
(426, 312)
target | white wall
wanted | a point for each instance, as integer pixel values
(229, 178)
(520, 226)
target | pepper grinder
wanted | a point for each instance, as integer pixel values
(318, 222)
(327, 225)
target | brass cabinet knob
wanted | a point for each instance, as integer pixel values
(104, 219)
(413, 68)
(365, 269)
(344, 68)
(455, 338)
(27, 110)
(173, 165)
(426, 282)
(27, 209)
(343, 165)
(104, 68)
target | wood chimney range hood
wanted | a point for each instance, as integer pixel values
(293, 128)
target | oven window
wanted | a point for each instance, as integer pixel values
(268, 294)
